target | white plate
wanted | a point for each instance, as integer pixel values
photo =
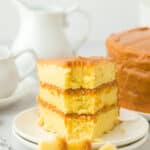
(130, 130)
(25, 87)
(127, 147)
(145, 115)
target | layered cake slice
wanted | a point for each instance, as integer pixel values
(78, 96)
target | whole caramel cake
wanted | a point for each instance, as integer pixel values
(131, 51)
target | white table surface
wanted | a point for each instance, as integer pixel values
(7, 114)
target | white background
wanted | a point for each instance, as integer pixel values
(107, 16)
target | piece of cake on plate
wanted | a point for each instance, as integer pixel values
(78, 96)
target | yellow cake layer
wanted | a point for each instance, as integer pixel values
(80, 101)
(76, 72)
(78, 126)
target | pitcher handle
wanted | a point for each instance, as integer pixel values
(77, 9)
(33, 67)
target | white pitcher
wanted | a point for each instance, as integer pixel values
(9, 74)
(44, 31)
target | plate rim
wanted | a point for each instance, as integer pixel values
(123, 142)
(145, 115)
(34, 146)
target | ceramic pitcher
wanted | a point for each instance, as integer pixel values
(44, 30)
(10, 77)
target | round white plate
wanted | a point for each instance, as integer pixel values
(34, 146)
(25, 87)
(130, 130)
(145, 115)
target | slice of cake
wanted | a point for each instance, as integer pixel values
(78, 96)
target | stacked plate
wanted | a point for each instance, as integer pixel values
(128, 135)
(145, 115)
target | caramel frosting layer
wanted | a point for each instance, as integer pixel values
(82, 91)
(75, 61)
(73, 115)
(131, 51)
(131, 48)
(134, 79)
(134, 101)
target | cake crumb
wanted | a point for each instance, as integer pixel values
(108, 147)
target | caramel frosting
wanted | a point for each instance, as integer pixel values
(134, 41)
(82, 91)
(134, 79)
(68, 62)
(131, 47)
(134, 101)
(131, 51)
